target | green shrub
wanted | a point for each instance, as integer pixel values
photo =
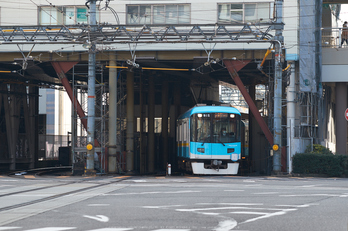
(319, 149)
(315, 163)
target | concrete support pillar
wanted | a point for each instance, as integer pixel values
(151, 124)
(130, 122)
(112, 149)
(165, 112)
(341, 122)
(291, 114)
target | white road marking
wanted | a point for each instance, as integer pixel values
(8, 228)
(223, 208)
(92, 205)
(297, 206)
(246, 204)
(52, 229)
(234, 190)
(265, 193)
(269, 215)
(112, 229)
(100, 218)
(226, 225)
(172, 230)
(211, 214)
(311, 195)
(148, 193)
(161, 207)
(251, 213)
(307, 186)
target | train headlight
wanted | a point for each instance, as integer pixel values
(200, 150)
(230, 150)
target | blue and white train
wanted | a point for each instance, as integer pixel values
(209, 140)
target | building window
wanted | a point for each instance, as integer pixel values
(245, 12)
(63, 15)
(158, 14)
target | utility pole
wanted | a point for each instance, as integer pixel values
(91, 91)
(277, 135)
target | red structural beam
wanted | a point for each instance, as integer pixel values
(61, 68)
(233, 66)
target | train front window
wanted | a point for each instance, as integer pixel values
(226, 128)
(201, 127)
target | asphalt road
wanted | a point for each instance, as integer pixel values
(220, 203)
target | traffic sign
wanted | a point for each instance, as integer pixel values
(346, 114)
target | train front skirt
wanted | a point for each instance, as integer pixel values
(198, 168)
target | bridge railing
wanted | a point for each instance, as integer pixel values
(332, 37)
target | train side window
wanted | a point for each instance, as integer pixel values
(185, 131)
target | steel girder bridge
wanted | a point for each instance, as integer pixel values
(133, 34)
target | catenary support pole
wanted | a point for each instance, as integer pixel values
(277, 133)
(291, 109)
(112, 150)
(91, 92)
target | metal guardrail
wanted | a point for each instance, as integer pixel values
(105, 34)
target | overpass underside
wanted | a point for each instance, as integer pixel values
(163, 85)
